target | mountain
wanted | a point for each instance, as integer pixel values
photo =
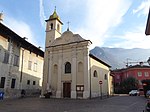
(118, 57)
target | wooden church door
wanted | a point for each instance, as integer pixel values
(66, 90)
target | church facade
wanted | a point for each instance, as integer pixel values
(70, 71)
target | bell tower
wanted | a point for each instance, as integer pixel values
(53, 28)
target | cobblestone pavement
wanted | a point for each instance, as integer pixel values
(113, 104)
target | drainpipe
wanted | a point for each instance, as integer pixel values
(90, 78)
(21, 68)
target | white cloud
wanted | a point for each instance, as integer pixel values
(134, 39)
(21, 28)
(143, 8)
(101, 16)
(42, 15)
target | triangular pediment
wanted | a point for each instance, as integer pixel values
(67, 37)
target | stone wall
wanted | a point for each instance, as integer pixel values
(16, 93)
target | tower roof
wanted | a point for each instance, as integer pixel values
(54, 16)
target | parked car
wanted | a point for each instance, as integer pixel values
(134, 93)
(148, 93)
(141, 91)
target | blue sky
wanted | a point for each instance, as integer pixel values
(107, 23)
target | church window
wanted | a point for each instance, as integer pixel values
(51, 26)
(67, 67)
(55, 69)
(95, 73)
(58, 28)
(80, 67)
(105, 77)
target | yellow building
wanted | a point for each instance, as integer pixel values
(69, 69)
(21, 64)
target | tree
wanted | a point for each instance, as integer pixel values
(129, 84)
(146, 85)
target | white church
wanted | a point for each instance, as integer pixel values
(70, 71)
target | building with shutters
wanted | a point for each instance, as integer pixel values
(21, 64)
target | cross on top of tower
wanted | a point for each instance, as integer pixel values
(55, 8)
(68, 25)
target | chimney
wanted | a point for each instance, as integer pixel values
(141, 63)
(1, 16)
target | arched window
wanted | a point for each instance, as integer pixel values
(58, 28)
(95, 73)
(80, 67)
(105, 77)
(67, 67)
(51, 26)
(55, 69)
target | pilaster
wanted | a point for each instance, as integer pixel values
(74, 73)
(58, 92)
(86, 92)
(50, 58)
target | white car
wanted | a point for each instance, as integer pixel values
(134, 93)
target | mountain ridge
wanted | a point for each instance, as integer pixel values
(118, 57)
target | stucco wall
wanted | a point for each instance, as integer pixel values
(11, 71)
(102, 70)
(36, 71)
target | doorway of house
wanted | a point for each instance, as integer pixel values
(66, 89)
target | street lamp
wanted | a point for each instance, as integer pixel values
(148, 61)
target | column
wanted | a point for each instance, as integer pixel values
(86, 92)
(74, 73)
(58, 92)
